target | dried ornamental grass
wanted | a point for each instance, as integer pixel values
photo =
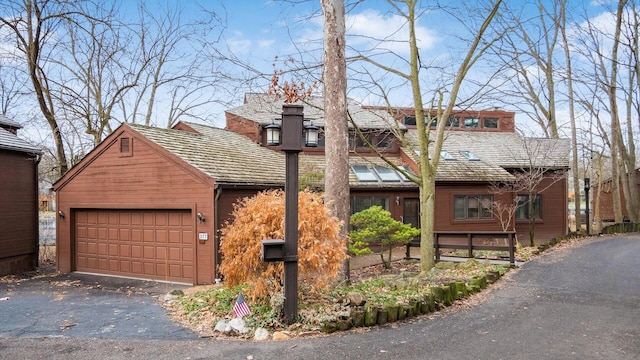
(321, 251)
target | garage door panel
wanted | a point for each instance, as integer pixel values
(135, 243)
(102, 248)
(114, 265)
(175, 236)
(103, 218)
(125, 266)
(187, 255)
(187, 236)
(149, 252)
(161, 236)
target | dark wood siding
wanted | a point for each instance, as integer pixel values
(555, 207)
(19, 216)
(444, 208)
(605, 203)
(150, 178)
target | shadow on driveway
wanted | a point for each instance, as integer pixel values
(89, 306)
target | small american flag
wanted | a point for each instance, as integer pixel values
(240, 308)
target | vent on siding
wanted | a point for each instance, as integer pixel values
(126, 146)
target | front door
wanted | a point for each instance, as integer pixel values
(411, 212)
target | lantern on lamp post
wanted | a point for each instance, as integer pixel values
(273, 134)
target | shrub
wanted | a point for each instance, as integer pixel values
(320, 249)
(376, 225)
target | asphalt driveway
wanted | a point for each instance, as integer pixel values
(86, 306)
(573, 303)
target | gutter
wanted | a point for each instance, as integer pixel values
(36, 162)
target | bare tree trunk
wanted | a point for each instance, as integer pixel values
(336, 128)
(572, 118)
(617, 145)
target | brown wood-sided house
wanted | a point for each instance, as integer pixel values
(606, 211)
(149, 202)
(18, 200)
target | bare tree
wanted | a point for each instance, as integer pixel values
(178, 66)
(100, 69)
(335, 111)
(35, 27)
(612, 59)
(528, 57)
(429, 141)
(11, 89)
(561, 23)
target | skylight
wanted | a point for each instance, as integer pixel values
(446, 156)
(376, 173)
(470, 156)
(363, 173)
(386, 174)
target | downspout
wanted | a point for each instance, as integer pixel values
(216, 236)
(37, 209)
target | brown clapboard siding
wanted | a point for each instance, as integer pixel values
(150, 179)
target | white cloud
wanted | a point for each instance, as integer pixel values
(370, 29)
(266, 43)
(239, 44)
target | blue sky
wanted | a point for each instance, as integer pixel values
(256, 31)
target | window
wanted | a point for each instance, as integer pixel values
(469, 155)
(377, 173)
(409, 120)
(472, 207)
(359, 203)
(444, 155)
(490, 123)
(471, 122)
(360, 143)
(125, 147)
(384, 141)
(522, 213)
(453, 122)
(363, 173)
(386, 174)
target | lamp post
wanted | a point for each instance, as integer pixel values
(587, 187)
(292, 116)
(274, 250)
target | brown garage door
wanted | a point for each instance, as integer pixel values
(149, 244)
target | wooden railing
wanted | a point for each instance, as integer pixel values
(469, 245)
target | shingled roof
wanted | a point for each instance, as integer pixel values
(7, 122)
(224, 155)
(498, 151)
(229, 157)
(9, 141)
(264, 108)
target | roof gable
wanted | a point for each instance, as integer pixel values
(224, 155)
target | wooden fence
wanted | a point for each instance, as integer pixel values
(470, 245)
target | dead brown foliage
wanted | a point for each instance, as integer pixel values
(320, 248)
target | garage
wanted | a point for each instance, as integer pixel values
(148, 244)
